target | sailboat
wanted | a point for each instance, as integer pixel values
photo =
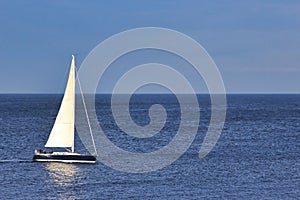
(62, 133)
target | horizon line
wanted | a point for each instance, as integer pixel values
(107, 93)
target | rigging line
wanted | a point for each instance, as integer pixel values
(86, 113)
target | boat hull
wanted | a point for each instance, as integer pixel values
(64, 157)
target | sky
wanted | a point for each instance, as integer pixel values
(255, 44)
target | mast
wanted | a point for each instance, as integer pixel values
(73, 68)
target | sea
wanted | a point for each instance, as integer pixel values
(256, 157)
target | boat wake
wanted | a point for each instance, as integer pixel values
(15, 161)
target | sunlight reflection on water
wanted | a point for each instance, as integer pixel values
(62, 174)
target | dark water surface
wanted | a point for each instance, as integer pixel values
(256, 157)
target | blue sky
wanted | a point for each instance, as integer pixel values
(255, 44)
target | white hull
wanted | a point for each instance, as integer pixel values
(64, 161)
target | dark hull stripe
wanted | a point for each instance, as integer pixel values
(65, 158)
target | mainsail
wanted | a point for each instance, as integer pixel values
(62, 134)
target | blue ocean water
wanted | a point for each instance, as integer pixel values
(256, 157)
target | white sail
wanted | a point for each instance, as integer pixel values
(62, 134)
